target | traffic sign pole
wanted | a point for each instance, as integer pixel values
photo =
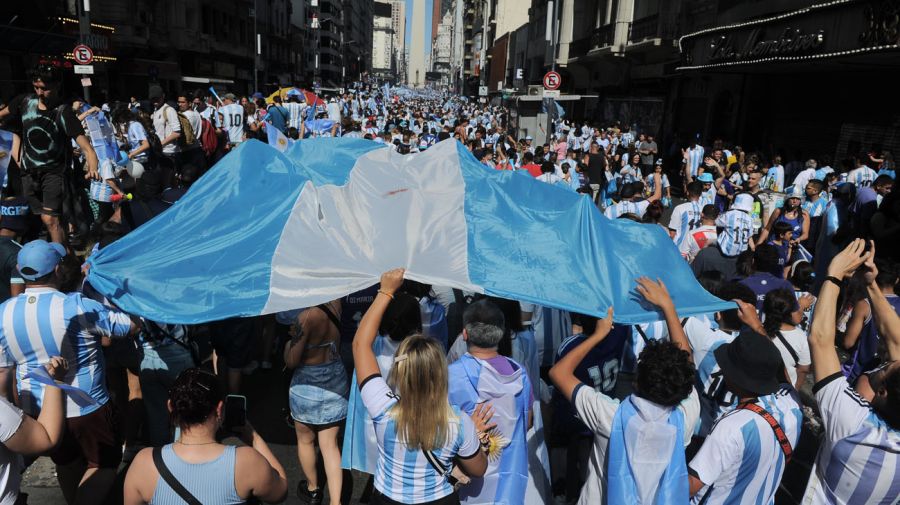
(84, 29)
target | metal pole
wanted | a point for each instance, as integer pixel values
(258, 48)
(553, 36)
(84, 30)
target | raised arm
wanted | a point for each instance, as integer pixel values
(821, 335)
(363, 357)
(563, 372)
(886, 319)
(655, 292)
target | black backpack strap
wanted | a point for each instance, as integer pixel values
(331, 316)
(788, 346)
(171, 480)
(684, 322)
(643, 335)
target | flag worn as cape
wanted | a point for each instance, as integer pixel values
(264, 232)
(473, 381)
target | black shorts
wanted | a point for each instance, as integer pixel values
(44, 190)
(93, 437)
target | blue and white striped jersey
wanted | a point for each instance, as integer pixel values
(694, 158)
(709, 196)
(740, 461)
(686, 217)
(295, 114)
(816, 208)
(625, 207)
(43, 322)
(404, 474)
(859, 459)
(862, 176)
(715, 399)
(100, 191)
(737, 228)
(551, 327)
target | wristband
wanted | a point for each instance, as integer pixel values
(837, 282)
(385, 293)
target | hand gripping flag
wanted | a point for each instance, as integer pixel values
(265, 231)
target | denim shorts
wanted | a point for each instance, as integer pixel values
(319, 393)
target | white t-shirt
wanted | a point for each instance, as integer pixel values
(798, 341)
(741, 456)
(11, 464)
(165, 122)
(136, 136)
(804, 177)
(596, 411)
(233, 122)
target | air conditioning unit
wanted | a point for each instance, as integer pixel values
(535, 90)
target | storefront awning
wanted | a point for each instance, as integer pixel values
(838, 29)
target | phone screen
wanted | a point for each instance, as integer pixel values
(235, 412)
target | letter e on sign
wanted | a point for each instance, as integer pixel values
(552, 80)
(83, 54)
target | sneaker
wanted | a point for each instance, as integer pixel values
(250, 368)
(313, 497)
(266, 365)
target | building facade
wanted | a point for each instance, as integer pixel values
(415, 76)
(383, 62)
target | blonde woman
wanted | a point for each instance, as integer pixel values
(420, 436)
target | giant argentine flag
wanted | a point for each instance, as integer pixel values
(265, 231)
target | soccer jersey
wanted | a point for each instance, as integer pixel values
(402, 473)
(44, 322)
(295, 111)
(685, 219)
(741, 461)
(862, 176)
(696, 240)
(627, 207)
(694, 158)
(715, 399)
(737, 228)
(233, 122)
(598, 370)
(859, 459)
(136, 136)
(815, 208)
(550, 327)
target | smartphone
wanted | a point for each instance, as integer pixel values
(235, 413)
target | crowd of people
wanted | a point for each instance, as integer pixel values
(444, 396)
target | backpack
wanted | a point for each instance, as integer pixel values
(187, 137)
(186, 336)
(208, 139)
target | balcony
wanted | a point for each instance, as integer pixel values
(650, 28)
(602, 36)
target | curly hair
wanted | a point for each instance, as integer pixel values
(195, 395)
(665, 374)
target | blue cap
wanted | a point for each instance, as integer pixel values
(705, 177)
(38, 258)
